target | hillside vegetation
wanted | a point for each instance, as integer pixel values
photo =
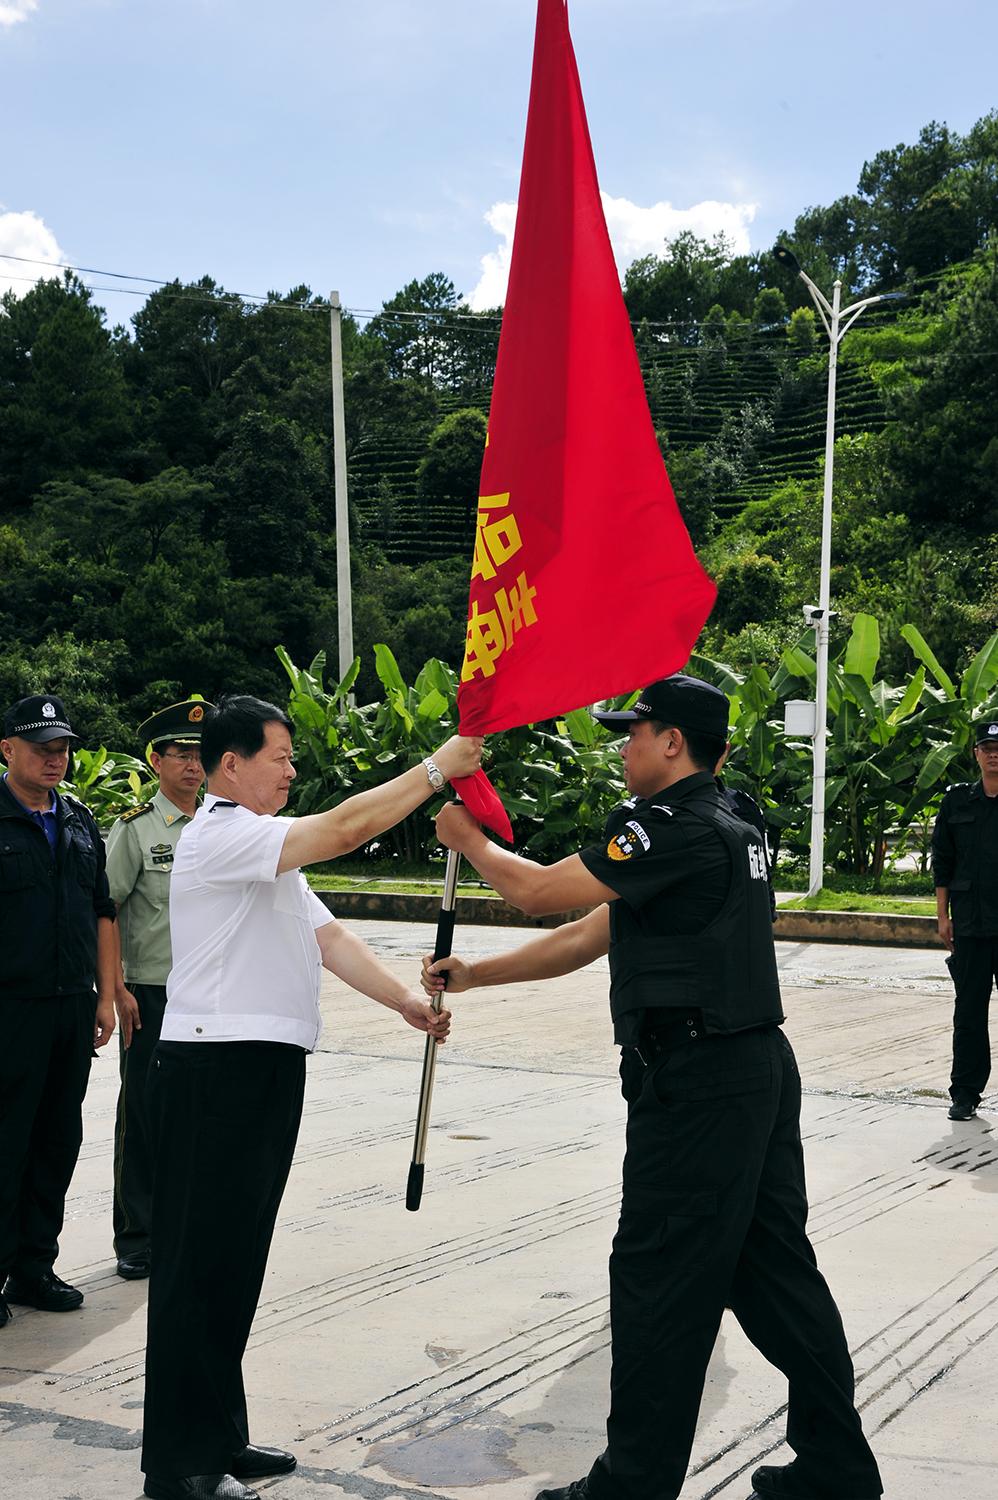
(166, 504)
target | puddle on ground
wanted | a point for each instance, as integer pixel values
(465, 1455)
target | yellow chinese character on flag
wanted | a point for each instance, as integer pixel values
(485, 642)
(516, 608)
(496, 540)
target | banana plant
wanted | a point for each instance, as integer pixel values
(108, 782)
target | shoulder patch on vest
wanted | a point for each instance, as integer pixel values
(631, 840)
(135, 812)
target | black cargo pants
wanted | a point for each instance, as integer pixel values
(713, 1214)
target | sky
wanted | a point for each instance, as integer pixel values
(358, 144)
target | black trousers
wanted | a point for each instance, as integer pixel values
(44, 1067)
(225, 1121)
(133, 1157)
(713, 1214)
(974, 966)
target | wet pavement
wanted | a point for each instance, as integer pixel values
(464, 1349)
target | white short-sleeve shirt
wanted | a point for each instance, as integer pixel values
(246, 963)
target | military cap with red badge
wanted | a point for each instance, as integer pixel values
(180, 724)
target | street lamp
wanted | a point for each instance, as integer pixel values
(837, 321)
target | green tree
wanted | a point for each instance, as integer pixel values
(450, 470)
(64, 406)
(943, 446)
(270, 481)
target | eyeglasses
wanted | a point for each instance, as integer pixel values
(189, 757)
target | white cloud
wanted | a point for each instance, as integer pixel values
(28, 236)
(12, 11)
(634, 231)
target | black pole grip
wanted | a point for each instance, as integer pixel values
(414, 1187)
(443, 947)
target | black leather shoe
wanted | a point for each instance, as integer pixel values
(781, 1482)
(46, 1292)
(133, 1267)
(198, 1487)
(577, 1490)
(257, 1463)
(4, 1313)
(962, 1109)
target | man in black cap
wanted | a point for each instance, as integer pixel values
(714, 1209)
(57, 938)
(965, 870)
(140, 851)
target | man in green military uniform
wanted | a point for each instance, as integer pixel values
(140, 854)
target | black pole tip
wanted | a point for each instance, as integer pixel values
(414, 1187)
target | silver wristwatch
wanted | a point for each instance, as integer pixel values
(435, 776)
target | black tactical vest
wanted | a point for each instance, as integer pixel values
(728, 969)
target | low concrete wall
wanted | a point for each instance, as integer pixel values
(478, 911)
(489, 911)
(857, 927)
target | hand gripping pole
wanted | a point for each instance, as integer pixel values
(441, 949)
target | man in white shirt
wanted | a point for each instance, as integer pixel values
(249, 943)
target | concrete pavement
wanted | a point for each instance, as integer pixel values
(466, 1347)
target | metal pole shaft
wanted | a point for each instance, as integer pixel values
(441, 949)
(344, 602)
(824, 600)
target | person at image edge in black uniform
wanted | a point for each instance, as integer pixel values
(713, 1210)
(965, 871)
(56, 938)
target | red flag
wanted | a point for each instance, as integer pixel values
(584, 582)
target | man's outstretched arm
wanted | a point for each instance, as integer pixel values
(350, 959)
(560, 951)
(536, 889)
(362, 817)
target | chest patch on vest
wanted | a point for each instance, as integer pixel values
(631, 840)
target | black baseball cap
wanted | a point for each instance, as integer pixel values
(986, 732)
(686, 702)
(40, 718)
(180, 724)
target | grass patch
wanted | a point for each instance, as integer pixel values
(831, 900)
(891, 883)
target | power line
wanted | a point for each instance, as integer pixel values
(881, 316)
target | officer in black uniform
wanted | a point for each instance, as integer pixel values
(714, 1208)
(56, 938)
(965, 870)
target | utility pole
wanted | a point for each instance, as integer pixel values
(344, 600)
(837, 321)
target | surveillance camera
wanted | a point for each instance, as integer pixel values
(812, 614)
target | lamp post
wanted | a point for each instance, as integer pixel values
(837, 321)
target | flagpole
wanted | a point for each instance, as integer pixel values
(344, 602)
(441, 949)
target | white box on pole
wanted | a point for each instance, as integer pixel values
(798, 717)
